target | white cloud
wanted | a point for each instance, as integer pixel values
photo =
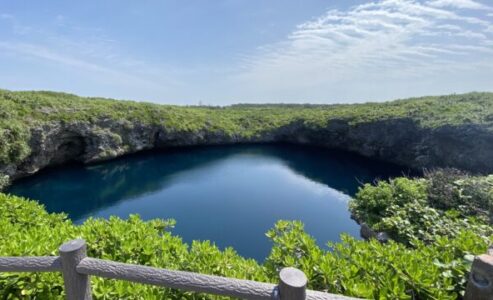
(382, 42)
(459, 4)
(378, 50)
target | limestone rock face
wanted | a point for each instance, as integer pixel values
(401, 141)
(366, 232)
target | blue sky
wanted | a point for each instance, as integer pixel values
(228, 51)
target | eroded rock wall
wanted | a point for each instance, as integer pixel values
(401, 141)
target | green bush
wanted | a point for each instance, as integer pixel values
(417, 221)
(371, 202)
(453, 189)
(374, 270)
(14, 142)
(443, 216)
(441, 191)
(4, 181)
(20, 112)
(31, 231)
(437, 223)
(443, 204)
(436, 270)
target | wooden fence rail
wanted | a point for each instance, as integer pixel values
(76, 268)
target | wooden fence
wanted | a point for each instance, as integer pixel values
(76, 268)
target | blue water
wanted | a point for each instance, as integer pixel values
(230, 195)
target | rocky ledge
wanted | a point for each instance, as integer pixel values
(401, 141)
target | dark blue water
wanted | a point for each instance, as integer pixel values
(230, 195)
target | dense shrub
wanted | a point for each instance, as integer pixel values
(13, 141)
(441, 191)
(443, 204)
(453, 189)
(417, 221)
(445, 213)
(375, 270)
(30, 230)
(372, 202)
(437, 223)
(436, 270)
(4, 181)
(22, 111)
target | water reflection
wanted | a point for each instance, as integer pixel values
(228, 194)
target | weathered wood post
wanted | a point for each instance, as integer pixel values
(480, 285)
(77, 286)
(292, 284)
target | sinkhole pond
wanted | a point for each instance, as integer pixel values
(230, 195)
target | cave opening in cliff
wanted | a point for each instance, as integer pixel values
(71, 149)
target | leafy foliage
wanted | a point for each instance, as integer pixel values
(21, 111)
(444, 204)
(453, 189)
(437, 223)
(373, 202)
(14, 141)
(375, 270)
(30, 231)
(4, 181)
(435, 270)
(447, 211)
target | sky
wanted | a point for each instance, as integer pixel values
(230, 51)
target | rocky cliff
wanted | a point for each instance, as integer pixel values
(399, 140)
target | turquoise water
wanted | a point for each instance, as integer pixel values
(230, 195)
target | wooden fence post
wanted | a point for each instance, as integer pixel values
(77, 286)
(292, 284)
(480, 285)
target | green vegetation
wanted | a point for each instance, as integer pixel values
(4, 181)
(429, 258)
(20, 111)
(432, 212)
(14, 137)
(442, 204)
(436, 223)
